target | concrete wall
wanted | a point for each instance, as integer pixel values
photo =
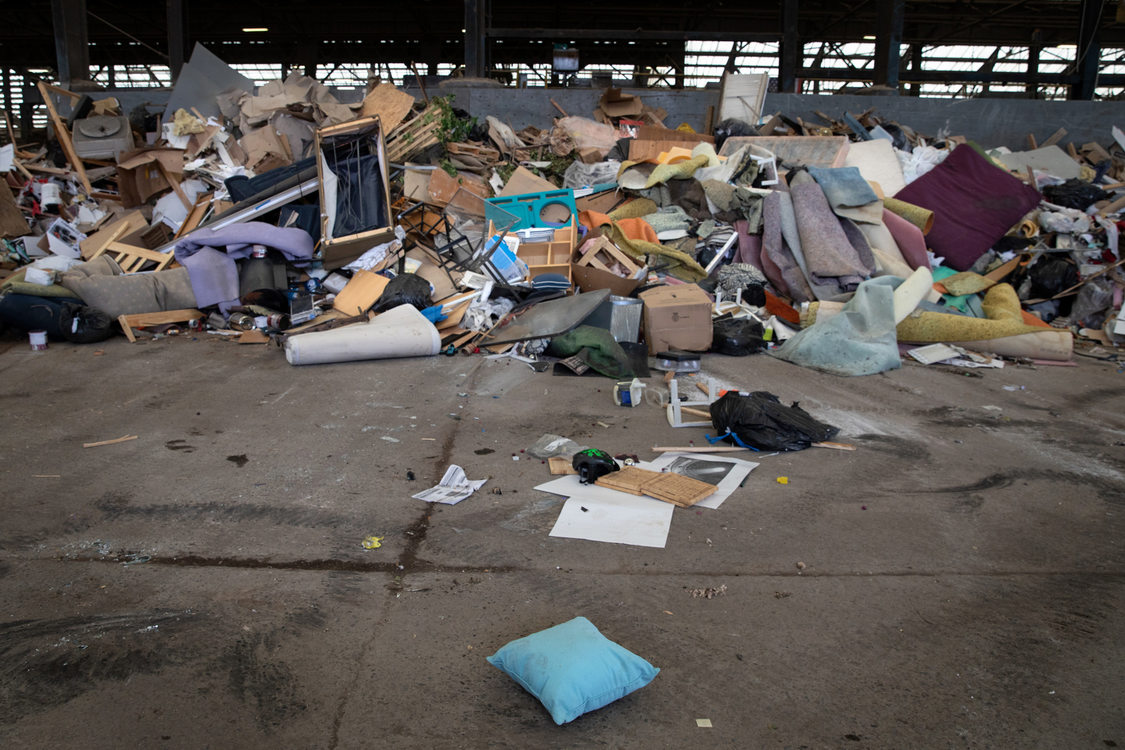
(991, 122)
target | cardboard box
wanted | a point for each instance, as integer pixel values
(143, 173)
(677, 317)
(651, 141)
(591, 279)
(353, 140)
(601, 265)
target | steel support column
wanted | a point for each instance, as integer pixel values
(476, 38)
(888, 40)
(72, 51)
(175, 15)
(1089, 52)
(915, 68)
(791, 53)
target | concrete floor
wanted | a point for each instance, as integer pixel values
(205, 585)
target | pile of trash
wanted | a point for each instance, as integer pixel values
(394, 227)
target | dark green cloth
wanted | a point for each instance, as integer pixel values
(595, 347)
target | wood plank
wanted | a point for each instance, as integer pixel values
(115, 441)
(195, 216)
(144, 320)
(1055, 137)
(95, 244)
(175, 184)
(123, 321)
(63, 135)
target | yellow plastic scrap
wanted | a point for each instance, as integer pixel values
(783, 480)
(674, 155)
(373, 542)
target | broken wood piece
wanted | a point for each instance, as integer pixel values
(834, 446)
(144, 320)
(62, 134)
(1055, 137)
(695, 412)
(559, 108)
(132, 258)
(1113, 207)
(253, 336)
(697, 449)
(175, 184)
(560, 466)
(195, 215)
(115, 441)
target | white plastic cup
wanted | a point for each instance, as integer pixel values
(38, 340)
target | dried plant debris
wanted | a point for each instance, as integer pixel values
(710, 592)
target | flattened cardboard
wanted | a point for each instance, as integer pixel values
(265, 150)
(416, 184)
(677, 317)
(651, 141)
(615, 103)
(360, 293)
(139, 176)
(387, 102)
(524, 181)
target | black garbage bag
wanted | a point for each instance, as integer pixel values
(405, 289)
(1074, 193)
(90, 325)
(737, 337)
(732, 128)
(1051, 275)
(760, 421)
(61, 317)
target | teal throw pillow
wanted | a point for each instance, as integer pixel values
(572, 668)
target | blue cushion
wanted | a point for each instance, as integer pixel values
(572, 668)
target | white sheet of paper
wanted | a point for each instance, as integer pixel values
(7, 157)
(619, 519)
(703, 465)
(454, 487)
(609, 515)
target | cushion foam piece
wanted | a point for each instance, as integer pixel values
(974, 203)
(572, 668)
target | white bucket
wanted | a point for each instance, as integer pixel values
(400, 332)
(38, 340)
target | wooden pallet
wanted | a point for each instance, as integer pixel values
(414, 136)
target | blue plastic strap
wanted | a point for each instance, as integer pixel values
(732, 436)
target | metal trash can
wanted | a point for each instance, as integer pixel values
(625, 318)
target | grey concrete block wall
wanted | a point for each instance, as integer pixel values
(991, 122)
